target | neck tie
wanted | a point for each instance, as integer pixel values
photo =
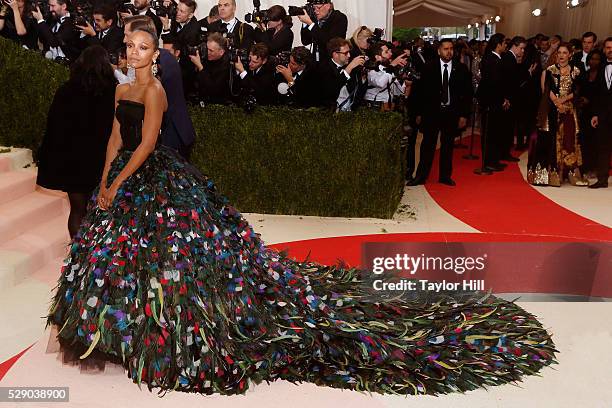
(445, 85)
(227, 27)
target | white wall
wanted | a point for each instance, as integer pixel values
(372, 13)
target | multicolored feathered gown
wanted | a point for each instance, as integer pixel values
(175, 284)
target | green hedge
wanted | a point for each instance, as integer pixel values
(274, 161)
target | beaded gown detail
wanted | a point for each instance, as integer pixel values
(174, 284)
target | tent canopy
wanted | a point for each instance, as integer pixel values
(444, 13)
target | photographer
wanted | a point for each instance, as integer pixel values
(106, 33)
(213, 76)
(335, 79)
(186, 30)
(59, 36)
(241, 34)
(143, 8)
(259, 79)
(382, 81)
(213, 15)
(299, 80)
(17, 23)
(329, 24)
(359, 41)
(277, 33)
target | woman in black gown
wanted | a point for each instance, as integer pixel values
(168, 278)
(80, 119)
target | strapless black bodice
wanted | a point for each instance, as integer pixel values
(130, 115)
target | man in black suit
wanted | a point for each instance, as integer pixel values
(335, 80)
(603, 119)
(493, 103)
(514, 79)
(589, 39)
(330, 24)
(143, 8)
(106, 32)
(59, 36)
(299, 81)
(215, 73)
(443, 103)
(185, 29)
(240, 33)
(258, 80)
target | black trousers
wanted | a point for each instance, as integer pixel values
(445, 124)
(603, 148)
(507, 136)
(491, 136)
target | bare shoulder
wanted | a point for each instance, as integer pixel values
(156, 94)
(121, 90)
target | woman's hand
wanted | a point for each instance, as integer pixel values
(107, 196)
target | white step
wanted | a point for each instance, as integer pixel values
(17, 158)
(15, 184)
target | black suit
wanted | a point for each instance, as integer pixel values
(67, 37)
(112, 41)
(603, 111)
(304, 91)
(513, 80)
(331, 81)
(440, 119)
(491, 93)
(261, 84)
(323, 31)
(282, 41)
(242, 33)
(188, 35)
(159, 26)
(577, 61)
(214, 81)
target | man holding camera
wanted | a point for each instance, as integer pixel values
(330, 23)
(60, 38)
(241, 34)
(185, 29)
(106, 32)
(299, 79)
(335, 79)
(213, 76)
(382, 81)
(143, 8)
(259, 79)
(443, 106)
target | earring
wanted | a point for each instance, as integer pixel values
(154, 69)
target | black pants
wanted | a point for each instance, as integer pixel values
(603, 148)
(444, 123)
(491, 136)
(508, 128)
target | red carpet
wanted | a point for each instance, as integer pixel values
(6, 366)
(506, 203)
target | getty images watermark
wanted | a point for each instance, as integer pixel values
(405, 269)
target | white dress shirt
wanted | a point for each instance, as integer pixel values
(608, 73)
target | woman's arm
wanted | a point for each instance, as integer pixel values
(155, 101)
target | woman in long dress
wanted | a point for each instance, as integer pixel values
(557, 154)
(166, 277)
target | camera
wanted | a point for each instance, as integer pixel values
(282, 58)
(258, 16)
(238, 53)
(83, 13)
(295, 11)
(126, 6)
(377, 36)
(163, 11)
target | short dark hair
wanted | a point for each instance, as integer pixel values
(607, 40)
(260, 50)
(544, 38)
(518, 40)
(214, 11)
(558, 37)
(445, 40)
(301, 55)
(336, 43)
(594, 52)
(590, 34)
(191, 4)
(175, 41)
(107, 10)
(377, 48)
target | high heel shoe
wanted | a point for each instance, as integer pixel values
(575, 178)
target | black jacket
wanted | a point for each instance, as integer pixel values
(429, 98)
(304, 91)
(67, 37)
(261, 84)
(214, 81)
(492, 89)
(577, 61)
(112, 41)
(159, 26)
(242, 33)
(331, 82)
(334, 26)
(30, 39)
(189, 35)
(602, 107)
(513, 77)
(282, 41)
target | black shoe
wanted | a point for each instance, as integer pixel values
(511, 159)
(495, 167)
(415, 182)
(599, 184)
(448, 182)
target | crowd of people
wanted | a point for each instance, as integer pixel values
(541, 92)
